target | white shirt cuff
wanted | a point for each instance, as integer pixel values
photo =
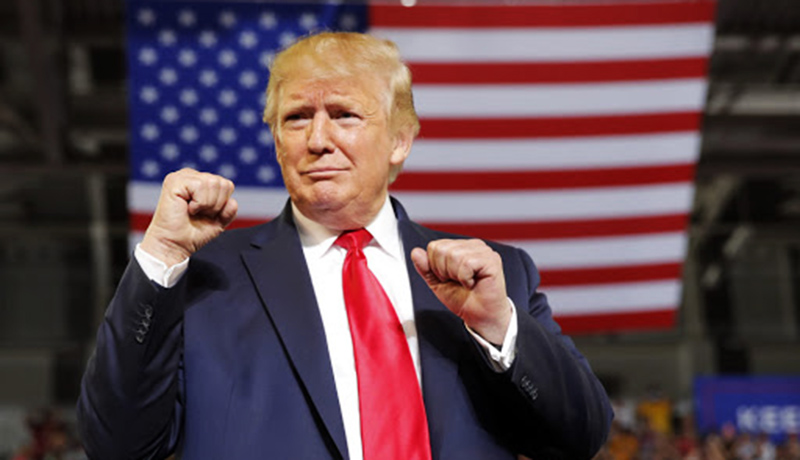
(503, 358)
(157, 270)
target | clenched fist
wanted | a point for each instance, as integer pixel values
(467, 277)
(193, 209)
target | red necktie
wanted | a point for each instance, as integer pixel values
(393, 422)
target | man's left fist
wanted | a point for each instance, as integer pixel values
(467, 277)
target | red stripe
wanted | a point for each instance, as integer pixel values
(617, 322)
(545, 127)
(558, 72)
(542, 180)
(515, 230)
(138, 221)
(604, 275)
(555, 229)
(576, 15)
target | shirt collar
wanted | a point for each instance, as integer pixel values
(317, 239)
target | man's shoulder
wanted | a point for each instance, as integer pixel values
(235, 240)
(433, 234)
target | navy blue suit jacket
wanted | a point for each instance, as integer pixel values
(232, 363)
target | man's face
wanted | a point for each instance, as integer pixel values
(335, 147)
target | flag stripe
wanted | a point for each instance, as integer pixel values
(589, 203)
(615, 98)
(553, 153)
(618, 322)
(578, 276)
(566, 228)
(483, 16)
(549, 127)
(470, 73)
(551, 44)
(516, 230)
(648, 295)
(542, 180)
(540, 206)
(613, 251)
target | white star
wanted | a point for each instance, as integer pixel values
(286, 39)
(150, 168)
(170, 152)
(148, 56)
(170, 114)
(227, 19)
(248, 117)
(266, 58)
(208, 116)
(148, 94)
(208, 153)
(146, 17)
(248, 79)
(248, 39)
(187, 18)
(227, 97)
(266, 174)
(308, 21)
(268, 20)
(149, 132)
(189, 97)
(248, 155)
(227, 170)
(265, 137)
(208, 38)
(348, 22)
(167, 37)
(208, 77)
(189, 134)
(168, 76)
(189, 164)
(187, 58)
(227, 135)
(227, 58)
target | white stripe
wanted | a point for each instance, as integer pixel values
(491, 101)
(548, 154)
(588, 203)
(518, 206)
(550, 44)
(605, 251)
(254, 202)
(615, 298)
(134, 238)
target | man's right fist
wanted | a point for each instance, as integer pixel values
(193, 209)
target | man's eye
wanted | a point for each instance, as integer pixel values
(346, 114)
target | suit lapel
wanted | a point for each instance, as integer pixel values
(435, 326)
(277, 267)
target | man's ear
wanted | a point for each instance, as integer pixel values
(403, 139)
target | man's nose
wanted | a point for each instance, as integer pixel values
(319, 136)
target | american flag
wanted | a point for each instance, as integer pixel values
(569, 130)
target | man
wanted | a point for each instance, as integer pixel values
(250, 343)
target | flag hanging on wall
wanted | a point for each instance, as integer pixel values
(570, 130)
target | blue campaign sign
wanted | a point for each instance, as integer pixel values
(753, 404)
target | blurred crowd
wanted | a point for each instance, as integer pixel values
(49, 437)
(647, 429)
(653, 429)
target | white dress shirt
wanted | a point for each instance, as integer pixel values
(385, 258)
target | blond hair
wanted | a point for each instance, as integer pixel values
(347, 54)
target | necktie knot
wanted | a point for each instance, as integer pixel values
(354, 239)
